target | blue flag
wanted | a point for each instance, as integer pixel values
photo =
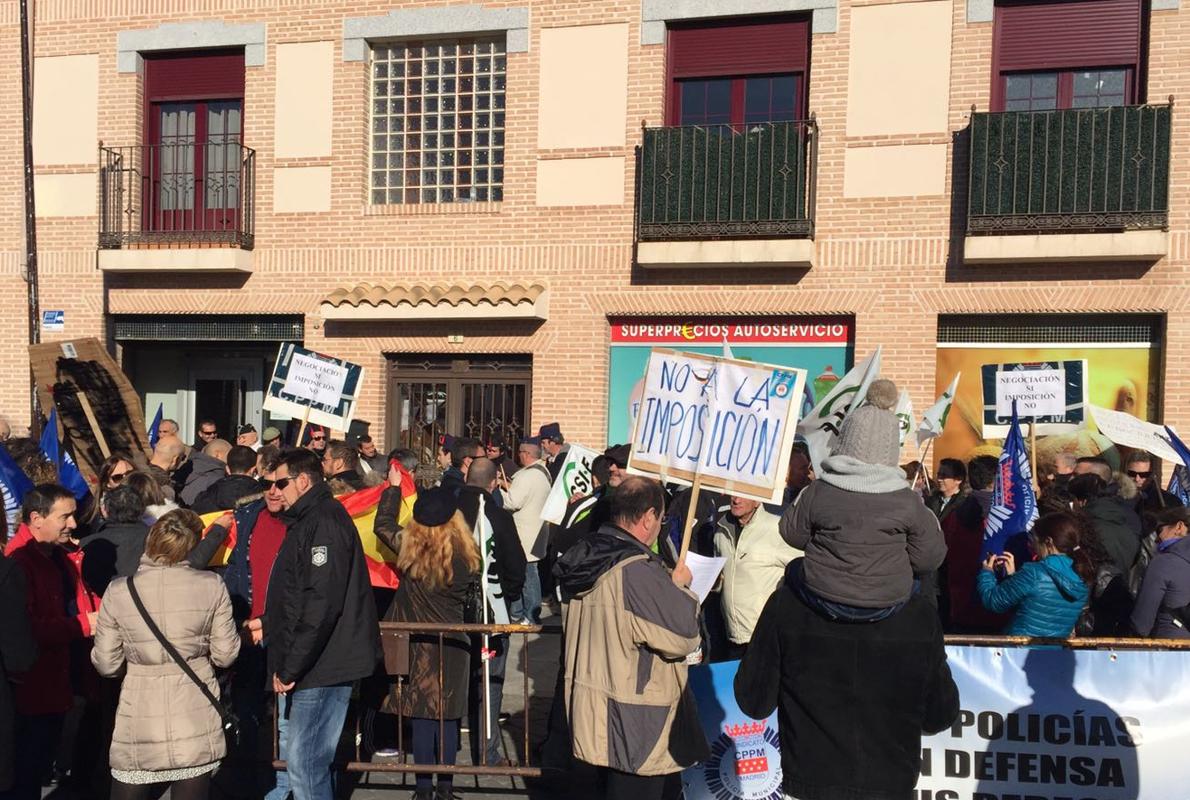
(14, 484)
(1014, 505)
(155, 428)
(1179, 481)
(68, 472)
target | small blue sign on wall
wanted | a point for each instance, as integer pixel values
(53, 320)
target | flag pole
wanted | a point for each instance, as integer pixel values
(1033, 452)
(921, 457)
(485, 653)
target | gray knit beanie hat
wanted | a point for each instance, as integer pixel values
(871, 433)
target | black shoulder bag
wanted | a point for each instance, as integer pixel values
(231, 725)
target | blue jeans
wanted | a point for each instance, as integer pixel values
(530, 603)
(315, 725)
(280, 790)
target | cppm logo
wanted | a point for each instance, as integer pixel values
(745, 763)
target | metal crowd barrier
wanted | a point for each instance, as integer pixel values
(392, 633)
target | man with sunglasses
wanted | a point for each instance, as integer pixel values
(317, 440)
(208, 432)
(319, 621)
(1151, 497)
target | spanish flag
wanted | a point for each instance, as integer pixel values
(361, 505)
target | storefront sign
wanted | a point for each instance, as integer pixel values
(819, 345)
(308, 383)
(731, 422)
(574, 478)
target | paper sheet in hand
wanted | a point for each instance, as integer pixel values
(705, 571)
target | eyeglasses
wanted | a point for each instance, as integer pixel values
(1135, 474)
(280, 483)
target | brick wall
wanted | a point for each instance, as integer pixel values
(887, 261)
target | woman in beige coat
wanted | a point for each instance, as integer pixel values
(167, 731)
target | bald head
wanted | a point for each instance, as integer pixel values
(217, 449)
(168, 453)
(482, 473)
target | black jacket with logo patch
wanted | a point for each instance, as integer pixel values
(320, 620)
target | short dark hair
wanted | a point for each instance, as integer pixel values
(951, 468)
(41, 498)
(482, 472)
(601, 468)
(405, 457)
(270, 456)
(303, 462)
(1102, 466)
(345, 452)
(1139, 456)
(123, 504)
(1087, 486)
(363, 438)
(634, 497)
(981, 472)
(208, 422)
(241, 460)
(463, 448)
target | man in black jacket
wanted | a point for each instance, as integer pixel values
(239, 482)
(507, 572)
(852, 699)
(319, 622)
(18, 652)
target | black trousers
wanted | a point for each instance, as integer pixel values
(627, 786)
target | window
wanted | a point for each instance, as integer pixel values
(1046, 91)
(739, 71)
(437, 122)
(1061, 55)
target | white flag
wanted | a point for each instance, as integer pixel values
(934, 420)
(904, 415)
(820, 427)
(489, 576)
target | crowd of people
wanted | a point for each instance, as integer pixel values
(137, 666)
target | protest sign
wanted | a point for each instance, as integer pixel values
(314, 388)
(1051, 395)
(1050, 723)
(745, 762)
(573, 478)
(1125, 429)
(99, 410)
(727, 423)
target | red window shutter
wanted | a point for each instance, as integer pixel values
(192, 75)
(739, 47)
(1067, 35)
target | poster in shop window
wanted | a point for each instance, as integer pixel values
(305, 382)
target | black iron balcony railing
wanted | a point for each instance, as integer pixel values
(1080, 170)
(727, 182)
(177, 195)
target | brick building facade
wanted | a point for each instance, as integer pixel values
(515, 286)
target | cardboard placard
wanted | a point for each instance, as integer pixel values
(74, 375)
(1127, 430)
(312, 386)
(731, 423)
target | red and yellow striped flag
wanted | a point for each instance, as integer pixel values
(361, 505)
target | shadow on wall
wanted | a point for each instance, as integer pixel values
(383, 329)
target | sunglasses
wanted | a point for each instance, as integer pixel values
(116, 477)
(1134, 474)
(207, 433)
(280, 483)
(317, 438)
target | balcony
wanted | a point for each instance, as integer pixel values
(177, 207)
(1088, 184)
(727, 196)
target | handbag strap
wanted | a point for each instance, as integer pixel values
(174, 654)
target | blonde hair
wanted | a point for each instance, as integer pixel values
(173, 536)
(427, 554)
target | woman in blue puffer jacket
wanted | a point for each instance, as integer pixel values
(1048, 594)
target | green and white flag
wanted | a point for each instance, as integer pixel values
(820, 427)
(904, 415)
(489, 577)
(934, 420)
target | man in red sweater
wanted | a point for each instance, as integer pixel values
(61, 611)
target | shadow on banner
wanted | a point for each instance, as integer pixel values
(745, 762)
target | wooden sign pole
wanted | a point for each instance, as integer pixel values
(302, 428)
(691, 513)
(90, 414)
(1033, 452)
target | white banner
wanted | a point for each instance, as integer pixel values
(573, 478)
(821, 426)
(1057, 724)
(1129, 431)
(1037, 392)
(730, 422)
